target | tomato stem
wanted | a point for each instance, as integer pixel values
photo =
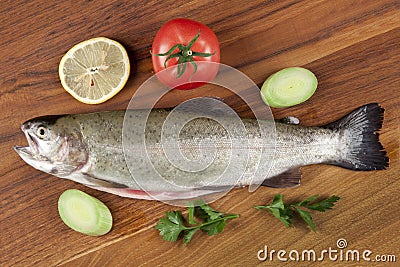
(184, 55)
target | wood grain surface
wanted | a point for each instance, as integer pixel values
(351, 46)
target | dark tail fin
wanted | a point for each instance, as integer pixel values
(363, 151)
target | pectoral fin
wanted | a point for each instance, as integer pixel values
(287, 179)
(95, 181)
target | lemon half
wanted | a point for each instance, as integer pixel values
(95, 70)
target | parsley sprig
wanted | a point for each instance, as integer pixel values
(285, 212)
(173, 225)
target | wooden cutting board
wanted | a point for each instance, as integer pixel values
(351, 46)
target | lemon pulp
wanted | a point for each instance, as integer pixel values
(95, 70)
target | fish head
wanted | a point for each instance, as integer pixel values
(53, 147)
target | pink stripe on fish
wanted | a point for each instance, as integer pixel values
(139, 194)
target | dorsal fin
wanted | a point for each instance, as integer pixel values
(289, 120)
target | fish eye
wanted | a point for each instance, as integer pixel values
(41, 132)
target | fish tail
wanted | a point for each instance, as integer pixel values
(362, 150)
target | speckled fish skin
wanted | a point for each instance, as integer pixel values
(87, 148)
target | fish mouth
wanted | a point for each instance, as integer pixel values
(32, 149)
(33, 144)
(23, 151)
(26, 153)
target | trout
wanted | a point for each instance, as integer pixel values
(94, 150)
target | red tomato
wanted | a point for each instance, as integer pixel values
(185, 44)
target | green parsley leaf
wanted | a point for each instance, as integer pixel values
(213, 228)
(175, 217)
(324, 205)
(189, 234)
(307, 200)
(285, 212)
(277, 202)
(191, 214)
(306, 217)
(286, 217)
(171, 226)
(212, 214)
(213, 222)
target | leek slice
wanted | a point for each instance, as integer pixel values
(84, 213)
(289, 87)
